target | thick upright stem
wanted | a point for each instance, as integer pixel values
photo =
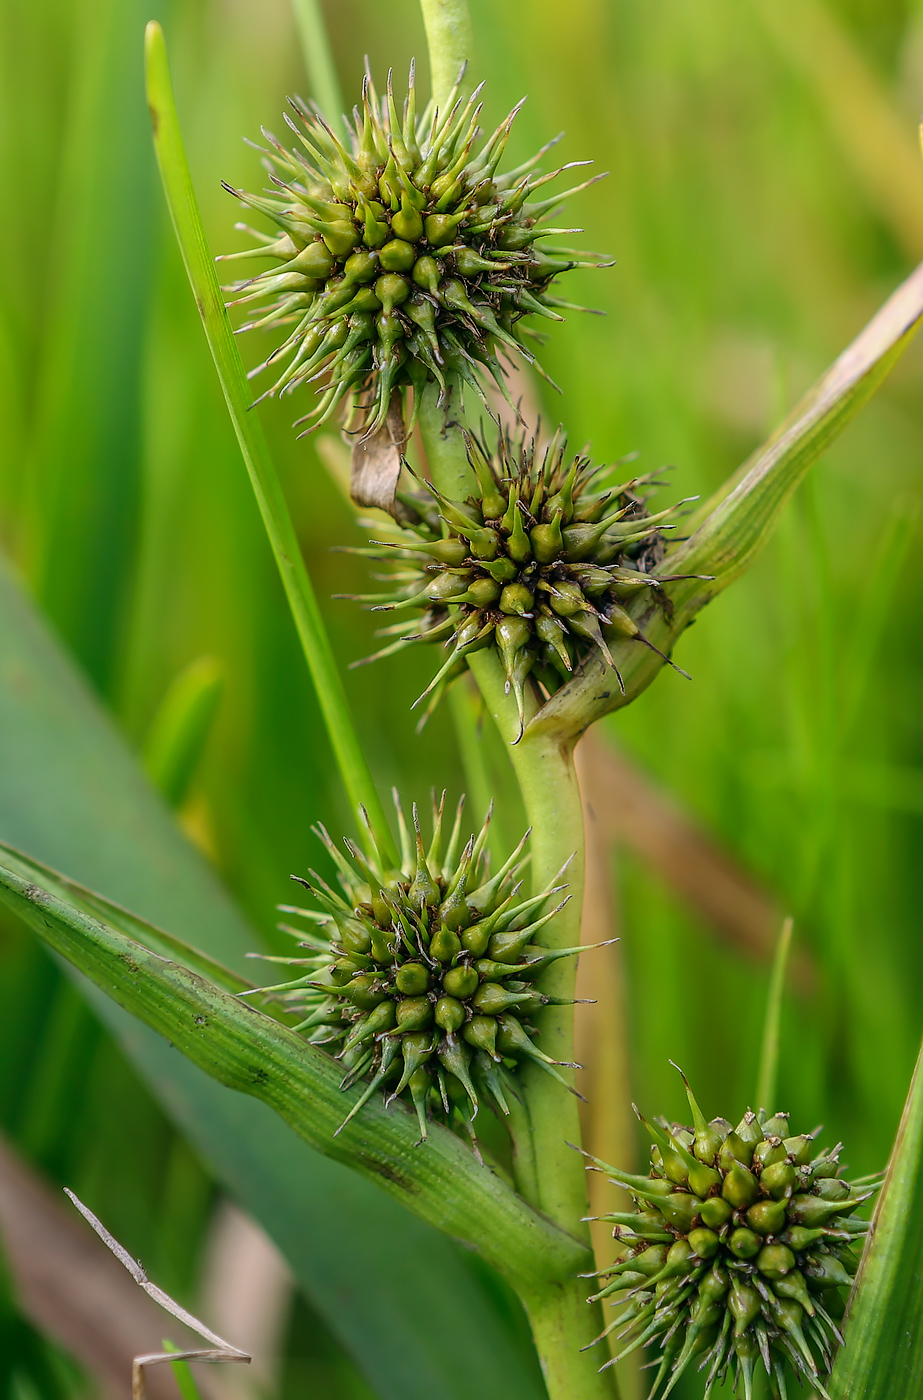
(549, 787)
(562, 1325)
(445, 447)
(449, 38)
(550, 1173)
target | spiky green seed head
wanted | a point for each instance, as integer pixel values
(541, 563)
(400, 256)
(738, 1254)
(420, 979)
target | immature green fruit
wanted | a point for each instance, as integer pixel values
(546, 549)
(412, 1006)
(402, 214)
(742, 1278)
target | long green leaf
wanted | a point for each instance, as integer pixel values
(141, 930)
(177, 184)
(730, 530)
(71, 794)
(180, 729)
(246, 1050)
(83, 472)
(883, 1355)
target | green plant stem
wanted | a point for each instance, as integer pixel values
(450, 40)
(550, 1173)
(177, 183)
(562, 1325)
(444, 444)
(545, 771)
(318, 58)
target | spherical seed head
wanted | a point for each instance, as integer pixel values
(420, 978)
(401, 255)
(760, 1273)
(542, 562)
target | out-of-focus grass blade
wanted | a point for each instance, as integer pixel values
(883, 1355)
(768, 1073)
(249, 1052)
(177, 183)
(82, 474)
(179, 730)
(873, 133)
(71, 794)
(318, 58)
(29, 1362)
(182, 1372)
(728, 533)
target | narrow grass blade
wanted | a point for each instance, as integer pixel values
(247, 1051)
(179, 730)
(728, 533)
(318, 58)
(177, 183)
(883, 1355)
(869, 125)
(82, 473)
(182, 1373)
(766, 1080)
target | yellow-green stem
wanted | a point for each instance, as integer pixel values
(562, 1325)
(318, 58)
(552, 1175)
(449, 39)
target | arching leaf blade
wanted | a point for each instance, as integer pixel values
(248, 1051)
(731, 529)
(883, 1355)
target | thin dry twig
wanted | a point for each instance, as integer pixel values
(220, 1350)
(71, 1288)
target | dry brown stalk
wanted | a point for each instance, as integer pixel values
(631, 810)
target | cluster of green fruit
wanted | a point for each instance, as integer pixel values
(742, 1239)
(420, 979)
(401, 256)
(539, 563)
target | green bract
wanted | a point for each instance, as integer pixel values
(401, 255)
(420, 977)
(737, 1255)
(539, 564)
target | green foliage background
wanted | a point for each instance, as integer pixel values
(752, 243)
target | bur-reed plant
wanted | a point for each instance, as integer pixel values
(415, 912)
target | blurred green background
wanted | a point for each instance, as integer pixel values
(765, 194)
